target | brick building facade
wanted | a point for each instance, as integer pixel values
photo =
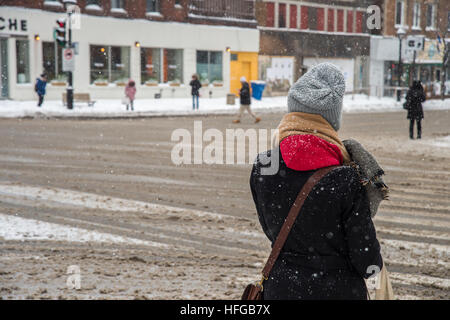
(158, 43)
(299, 34)
(429, 19)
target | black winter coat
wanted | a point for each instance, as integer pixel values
(245, 94)
(333, 241)
(196, 85)
(414, 99)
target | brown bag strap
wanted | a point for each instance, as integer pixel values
(292, 216)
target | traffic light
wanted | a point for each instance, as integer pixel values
(60, 32)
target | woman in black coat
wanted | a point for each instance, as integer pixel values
(413, 104)
(332, 246)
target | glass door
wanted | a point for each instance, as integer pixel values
(3, 68)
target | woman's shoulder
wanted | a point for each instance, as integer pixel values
(344, 178)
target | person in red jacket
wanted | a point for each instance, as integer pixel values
(130, 93)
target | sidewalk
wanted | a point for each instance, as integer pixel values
(161, 107)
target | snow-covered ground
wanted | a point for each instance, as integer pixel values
(17, 228)
(112, 108)
(443, 142)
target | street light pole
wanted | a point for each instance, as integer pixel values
(70, 75)
(400, 34)
(68, 3)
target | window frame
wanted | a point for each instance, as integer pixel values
(58, 72)
(117, 4)
(156, 8)
(433, 7)
(417, 15)
(27, 68)
(448, 20)
(109, 56)
(208, 79)
(402, 16)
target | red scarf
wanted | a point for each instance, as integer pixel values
(309, 152)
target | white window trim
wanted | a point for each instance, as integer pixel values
(288, 15)
(94, 7)
(53, 3)
(118, 10)
(275, 15)
(403, 16)
(153, 14)
(419, 20)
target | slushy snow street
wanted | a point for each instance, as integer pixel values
(103, 195)
(153, 107)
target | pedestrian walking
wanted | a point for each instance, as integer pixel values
(40, 88)
(195, 91)
(245, 100)
(130, 93)
(332, 246)
(413, 104)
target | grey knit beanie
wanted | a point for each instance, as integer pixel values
(319, 91)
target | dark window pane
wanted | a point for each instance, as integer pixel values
(120, 64)
(99, 63)
(152, 5)
(173, 65)
(23, 61)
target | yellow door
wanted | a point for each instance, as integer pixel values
(242, 64)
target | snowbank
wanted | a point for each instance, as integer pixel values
(148, 107)
(17, 228)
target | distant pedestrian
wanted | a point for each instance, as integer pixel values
(195, 85)
(40, 88)
(245, 100)
(130, 93)
(413, 104)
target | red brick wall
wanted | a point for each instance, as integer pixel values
(304, 17)
(330, 20)
(293, 16)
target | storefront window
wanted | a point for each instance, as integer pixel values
(152, 5)
(173, 65)
(117, 4)
(150, 65)
(120, 64)
(110, 64)
(23, 61)
(99, 64)
(52, 66)
(209, 66)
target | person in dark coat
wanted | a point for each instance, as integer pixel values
(245, 100)
(195, 87)
(413, 104)
(40, 88)
(332, 246)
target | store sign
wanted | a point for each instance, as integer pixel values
(415, 43)
(68, 59)
(431, 53)
(13, 25)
